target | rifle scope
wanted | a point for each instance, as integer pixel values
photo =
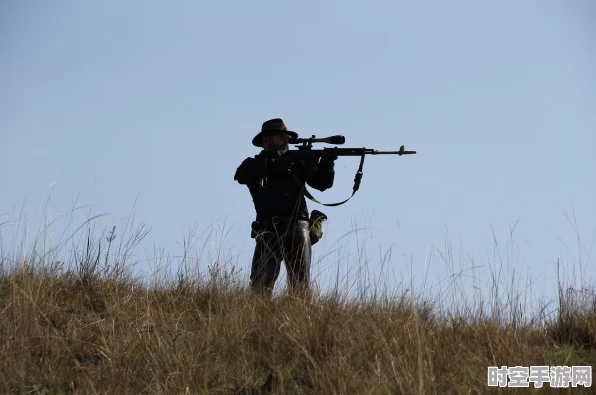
(337, 140)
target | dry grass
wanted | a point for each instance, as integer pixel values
(92, 328)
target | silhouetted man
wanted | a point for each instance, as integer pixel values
(282, 226)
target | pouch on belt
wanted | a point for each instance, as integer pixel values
(316, 226)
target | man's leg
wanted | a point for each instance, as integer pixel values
(297, 257)
(266, 263)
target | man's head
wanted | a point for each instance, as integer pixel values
(274, 136)
(277, 143)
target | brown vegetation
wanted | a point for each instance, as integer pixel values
(91, 328)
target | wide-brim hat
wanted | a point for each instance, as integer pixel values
(271, 128)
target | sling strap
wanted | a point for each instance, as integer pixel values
(357, 179)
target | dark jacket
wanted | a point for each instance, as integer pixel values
(276, 191)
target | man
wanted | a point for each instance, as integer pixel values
(282, 228)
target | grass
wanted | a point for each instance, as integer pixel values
(89, 326)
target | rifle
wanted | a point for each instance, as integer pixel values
(306, 151)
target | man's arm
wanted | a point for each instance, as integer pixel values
(252, 170)
(324, 174)
(249, 172)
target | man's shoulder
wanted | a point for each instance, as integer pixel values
(261, 154)
(250, 161)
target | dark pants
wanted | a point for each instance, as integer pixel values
(287, 242)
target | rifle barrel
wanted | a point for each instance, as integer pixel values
(368, 151)
(348, 152)
(400, 152)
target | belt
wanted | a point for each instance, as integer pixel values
(280, 219)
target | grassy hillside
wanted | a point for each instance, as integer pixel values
(89, 327)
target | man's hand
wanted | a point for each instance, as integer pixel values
(331, 156)
(328, 160)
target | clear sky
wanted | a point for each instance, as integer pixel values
(147, 108)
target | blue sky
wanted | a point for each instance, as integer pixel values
(147, 108)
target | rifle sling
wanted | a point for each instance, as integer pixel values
(357, 179)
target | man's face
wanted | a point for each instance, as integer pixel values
(278, 142)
